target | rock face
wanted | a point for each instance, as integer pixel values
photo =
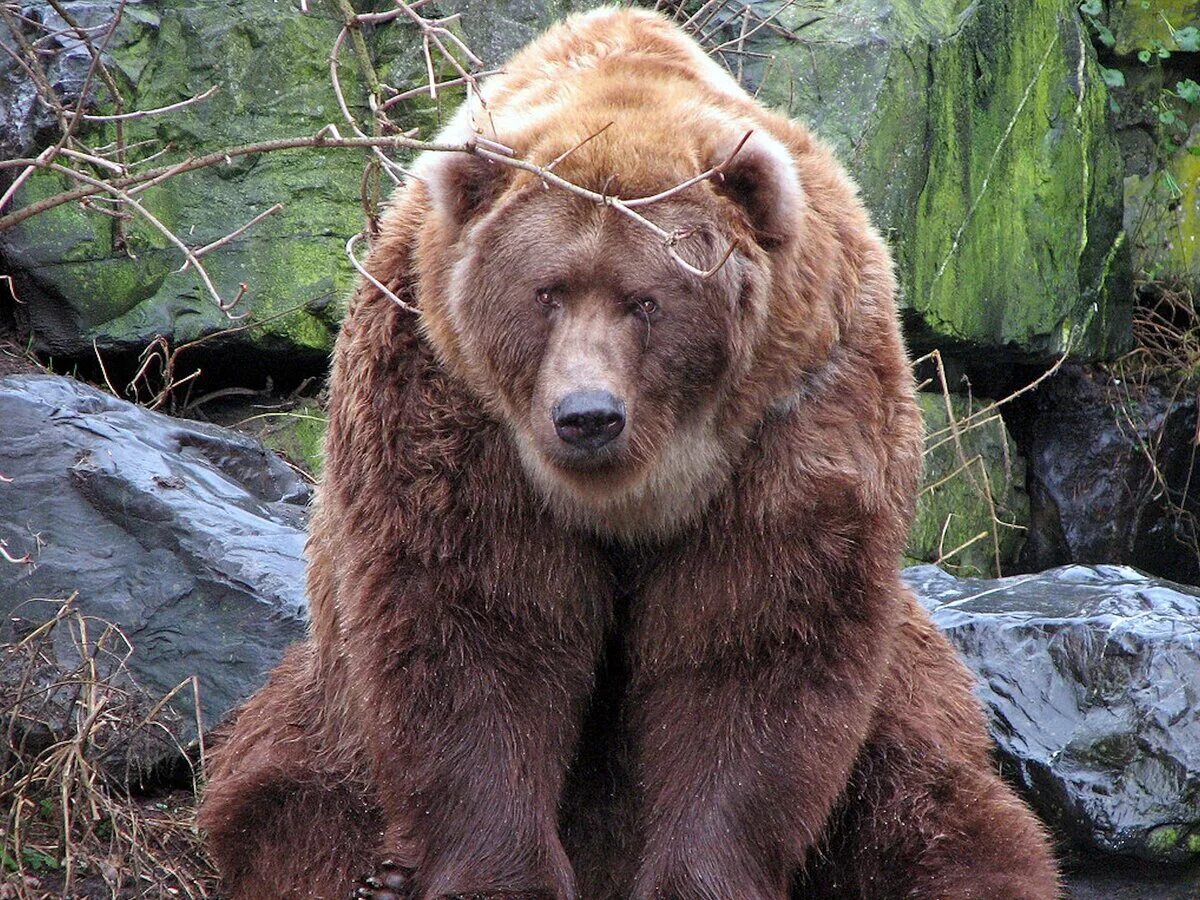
(272, 65)
(1136, 25)
(1090, 678)
(187, 536)
(952, 134)
(1110, 469)
(1153, 51)
(973, 510)
(22, 115)
(1162, 212)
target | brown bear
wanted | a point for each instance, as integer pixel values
(604, 571)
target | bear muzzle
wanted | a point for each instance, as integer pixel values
(588, 419)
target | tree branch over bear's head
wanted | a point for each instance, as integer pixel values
(752, 170)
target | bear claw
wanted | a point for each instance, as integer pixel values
(391, 882)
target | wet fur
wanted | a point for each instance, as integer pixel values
(716, 687)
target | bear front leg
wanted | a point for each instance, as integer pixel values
(470, 707)
(752, 693)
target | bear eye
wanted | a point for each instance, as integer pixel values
(647, 306)
(548, 297)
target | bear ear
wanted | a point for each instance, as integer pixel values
(758, 174)
(461, 185)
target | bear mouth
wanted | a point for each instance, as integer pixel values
(596, 465)
(595, 472)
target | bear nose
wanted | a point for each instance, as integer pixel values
(588, 419)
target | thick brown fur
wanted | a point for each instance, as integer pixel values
(681, 668)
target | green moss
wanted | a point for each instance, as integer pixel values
(989, 163)
(1163, 839)
(1011, 206)
(66, 233)
(299, 435)
(1163, 215)
(272, 69)
(1137, 25)
(960, 474)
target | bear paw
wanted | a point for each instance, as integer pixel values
(391, 882)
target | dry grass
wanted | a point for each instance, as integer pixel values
(80, 819)
(1165, 359)
(1166, 331)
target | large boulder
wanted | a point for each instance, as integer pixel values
(1089, 676)
(81, 285)
(972, 511)
(187, 537)
(1111, 472)
(979, 133)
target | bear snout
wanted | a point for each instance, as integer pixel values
(588, 419)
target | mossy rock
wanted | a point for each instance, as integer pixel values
(271, 61)
(989, 164)
(965, 465)
(299, 434)
(979, 134)
(1162, 216)
(1143, 24)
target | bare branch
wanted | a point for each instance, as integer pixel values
(371, 278)
(233, 235)
(158, 111)
(16, 560)
(141, 180)
(668, 238)
(153, 220)
(424, 89)
(30, 168)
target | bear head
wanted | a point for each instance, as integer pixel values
(628, 381)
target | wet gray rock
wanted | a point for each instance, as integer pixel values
(1103, 880)
(1091, 679)
(1110, 474)
(186, 536)
(65, 60)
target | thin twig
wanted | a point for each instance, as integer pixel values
(371, 278)
(233, 235)
(158, 111)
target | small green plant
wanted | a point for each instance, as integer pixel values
(1188, 91)
(1170, 106)
(1188, 39)
(1156, 50)
(1091, 10)
(34, 860)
